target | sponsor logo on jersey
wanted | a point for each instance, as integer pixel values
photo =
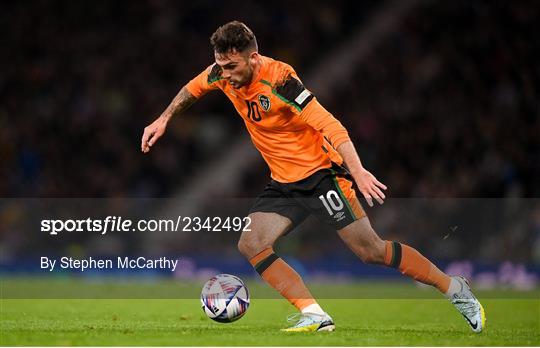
(265, 102)
(339, 216)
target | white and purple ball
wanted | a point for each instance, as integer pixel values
(225, 298)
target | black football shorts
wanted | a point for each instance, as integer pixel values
(328, 194)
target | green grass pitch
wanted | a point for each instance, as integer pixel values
(386, 314)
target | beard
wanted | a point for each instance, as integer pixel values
(245, 80)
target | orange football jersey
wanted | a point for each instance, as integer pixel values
(293, 132)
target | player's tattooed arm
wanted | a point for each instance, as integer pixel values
(179, 104)
(183, 100)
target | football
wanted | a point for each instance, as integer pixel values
(225, 298)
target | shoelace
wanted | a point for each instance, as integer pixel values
(468, 306)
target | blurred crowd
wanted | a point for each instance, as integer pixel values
(84, 78)
(448, 106)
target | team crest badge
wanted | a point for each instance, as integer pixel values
(265, 102)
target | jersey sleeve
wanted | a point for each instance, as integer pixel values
(304, 104)
(206, 81)
(319, 118)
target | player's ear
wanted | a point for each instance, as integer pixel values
(253, 58)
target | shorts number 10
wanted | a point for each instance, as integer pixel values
(332, 202)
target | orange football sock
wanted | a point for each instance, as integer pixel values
(413, 264)
(283, 278)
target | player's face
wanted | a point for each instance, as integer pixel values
(237, 67)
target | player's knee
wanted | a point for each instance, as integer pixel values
(250, 247)
(244, 247)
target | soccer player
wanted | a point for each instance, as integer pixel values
(313, 166)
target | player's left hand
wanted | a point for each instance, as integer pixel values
(370, 187)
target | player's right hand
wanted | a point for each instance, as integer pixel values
(152, 133)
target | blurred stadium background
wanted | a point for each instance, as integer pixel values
(440, 98)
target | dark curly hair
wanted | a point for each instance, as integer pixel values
(233, 36)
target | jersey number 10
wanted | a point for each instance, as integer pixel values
(253, 111)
